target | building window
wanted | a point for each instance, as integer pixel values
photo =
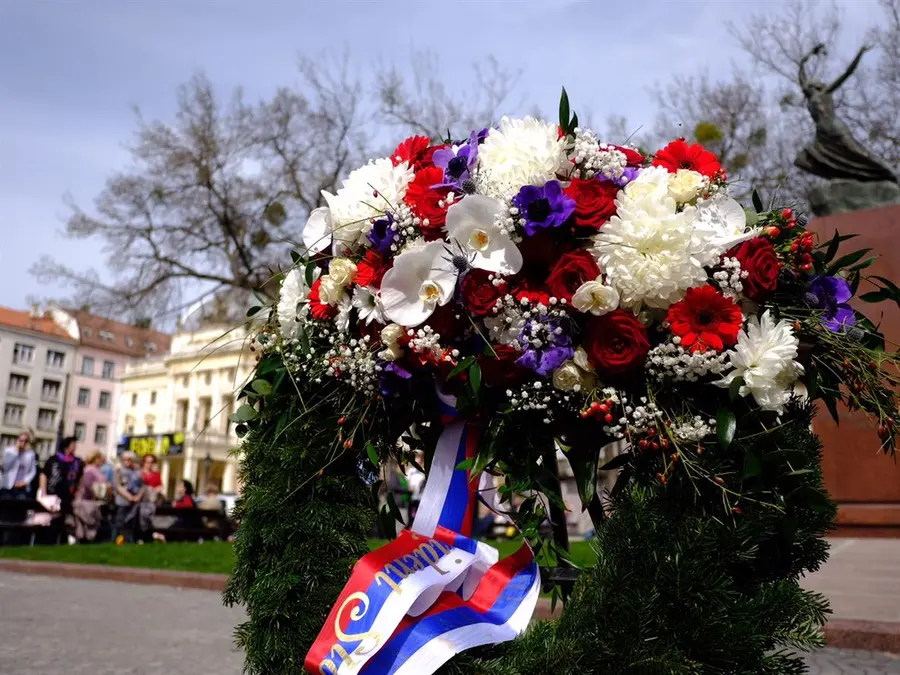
(87, 366)
(87, 331)
(23, 354)
(79, 430)
(106, 335)
(133, 400)
(13, 414)
(18, 385)
(46, 419)
(100, 434)
(181, 414)
(43, 447)
(129, 342)
(207, 378)
(109, 370)
(55, 359)
(152, 398)
(149, 428)
(105, 397)
(130, 430)
(184, 381)
(50, 390)
(84, 396)
(229, 374)
(150, 346)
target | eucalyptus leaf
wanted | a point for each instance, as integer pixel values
(726, 425)
(245, 413)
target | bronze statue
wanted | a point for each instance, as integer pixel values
(835, 153)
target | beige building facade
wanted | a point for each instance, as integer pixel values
(178, 406)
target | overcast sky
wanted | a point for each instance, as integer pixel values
(71, 70)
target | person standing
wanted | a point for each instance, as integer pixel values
(61, 478)
(129, 493)
(88, 505)
(19, 469)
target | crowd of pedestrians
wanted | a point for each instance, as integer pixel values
(91, 499)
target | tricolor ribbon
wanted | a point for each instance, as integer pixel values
(433, 592)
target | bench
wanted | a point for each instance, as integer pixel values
(180, 524)
(14, 519)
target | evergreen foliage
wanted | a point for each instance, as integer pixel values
(305, 514)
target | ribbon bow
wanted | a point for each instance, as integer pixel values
(433, 592)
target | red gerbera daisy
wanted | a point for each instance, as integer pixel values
(705, 319)
(415, 151)
(681, 155)
(321, 311)
(371, 269)
(427, 201)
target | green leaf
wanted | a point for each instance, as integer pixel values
(873, 296)
(372, 453)
(475, 377)
(245, 413)
(726, 424)
(752, 464)
(831, 404)
(617, 462)
(584, 461)
(845, 261)
(296, 258)
(461, 366)
(387, 522)
(393, 509)
(573, 124)
(757, 202)
(734, 389)
(833, 245)
(752, 217)
(466, 464)
(261, 387)
(309, 273)
(564, 111)
(253, 311)
(868, 262)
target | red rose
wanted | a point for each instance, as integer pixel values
(594, 201)
(572, 270)
(541, 251)
(479, 293)
(681, 155)
(616, 343)
(535, 292)
(445, 322)
(632, 156)
(425, 201)
(320, 310)
(760, 261)
(500, 368)
(371, 269)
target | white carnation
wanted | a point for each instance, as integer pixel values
(366, 193)
(292, 301)
(330, 291)
(522, 151)
(342, 270)
(764, 357)
(685, 185)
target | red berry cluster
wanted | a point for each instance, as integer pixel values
(802, 250)
(653, 441)
(598, 408)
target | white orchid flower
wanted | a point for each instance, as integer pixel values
(473, 223)
(420, 280)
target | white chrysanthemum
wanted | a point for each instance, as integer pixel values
(522, 151)
(342, 319)
(368, 305)
(366, 193)
(764, 357)
(649, 250)
(292, 301)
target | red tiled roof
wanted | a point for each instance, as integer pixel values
(23, 320)
(115, 336)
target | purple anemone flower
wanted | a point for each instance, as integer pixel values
(458, 164)
(543, 207)
(831, 294)
(554, 350)
(381, 235)
(394, 379)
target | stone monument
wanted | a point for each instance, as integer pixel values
(856, 179)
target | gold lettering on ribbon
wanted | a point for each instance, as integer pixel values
(356, 614)
(331, 665)
(431, 555)
(382, 577)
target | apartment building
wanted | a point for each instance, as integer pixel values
(36, 361)
(178, 405)
(104, 349)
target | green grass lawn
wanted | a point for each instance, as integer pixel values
(210, 556)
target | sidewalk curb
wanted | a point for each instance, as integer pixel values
(877, 636)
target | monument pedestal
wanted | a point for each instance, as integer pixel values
(862, 480)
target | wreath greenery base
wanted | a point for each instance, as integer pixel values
(677, 588)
